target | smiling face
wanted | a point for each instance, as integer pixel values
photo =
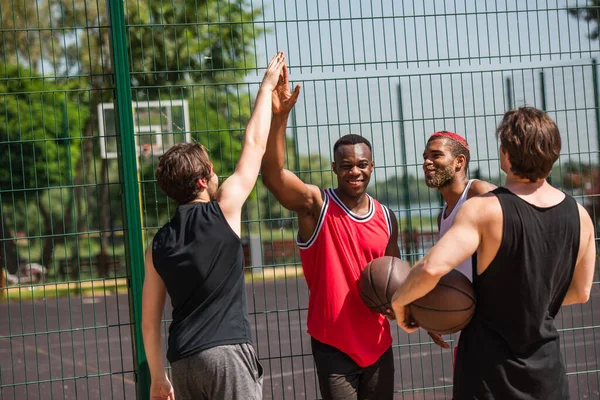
(353, 165)
(439, 166)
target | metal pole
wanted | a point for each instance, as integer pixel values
(295, 138)
(405, 184)
(543, 90)
(509, 97)
(544, 105)
(66, 142)
(596, 99)
(128, 170)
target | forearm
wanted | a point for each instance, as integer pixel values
(418, 283)
(154, 353)
(274, 159)
(257, 130)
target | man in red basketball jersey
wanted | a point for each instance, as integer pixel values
(340, 231)
(535, 252)
(445, 162)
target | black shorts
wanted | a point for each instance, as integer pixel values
(341, 378)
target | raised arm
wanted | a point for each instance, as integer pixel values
(235, 190)
(289, 190)
(581, 284)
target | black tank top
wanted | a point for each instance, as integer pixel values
(510, 350)
(201, 261)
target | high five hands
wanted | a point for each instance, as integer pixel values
(283, 99)
(274, 72)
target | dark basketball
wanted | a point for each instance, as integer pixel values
(448, 308)
(380, 279)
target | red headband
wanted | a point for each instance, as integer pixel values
(452, 136)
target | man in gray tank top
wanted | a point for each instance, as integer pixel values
(535, 252)
(197, 258)
(445, 163)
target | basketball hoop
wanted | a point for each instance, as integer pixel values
(158, 125)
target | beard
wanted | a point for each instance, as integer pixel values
(441, 178)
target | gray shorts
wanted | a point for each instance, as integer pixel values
(228, 372)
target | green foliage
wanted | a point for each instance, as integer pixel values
(589, 13)
(184, 47)
(38, 142)
(218, 118)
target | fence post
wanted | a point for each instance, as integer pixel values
(409, 231)
(544, 104)
(509, 97)
(128, 171)
(596, 99)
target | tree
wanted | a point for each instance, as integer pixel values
(40, 131)
(173, 47)
(589, 13)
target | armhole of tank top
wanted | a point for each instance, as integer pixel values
(320, 222)
(468, 188)
(220, 213)
(578, 233)
(477, 276)
(388, 219)
(442, 218)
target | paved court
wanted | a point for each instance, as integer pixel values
(88, 340)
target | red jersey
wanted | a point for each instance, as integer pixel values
(332, 259)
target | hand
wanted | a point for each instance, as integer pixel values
(273, 72)
(161, 389)
(405, 319)
(437, 339)
(283, 100)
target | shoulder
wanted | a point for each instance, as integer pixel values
(162, 236)
(484, 208)
(315, 200)
(587, 226)
(480, 187)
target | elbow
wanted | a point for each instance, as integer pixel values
(257, 146)
(432, 272)
(146, 327)
(271, 176)
(577, 296)
(582, 296)
(149, 327)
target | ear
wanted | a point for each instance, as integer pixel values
(461, 162)
(202, 183)
(372, 164)
(333, 167)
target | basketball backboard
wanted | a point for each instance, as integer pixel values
(158, 125)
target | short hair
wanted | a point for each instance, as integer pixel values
(457, 144)
(351, 139)
(532, 141)
(180, 168)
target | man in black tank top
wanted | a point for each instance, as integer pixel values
(535, 251)
(197, 258)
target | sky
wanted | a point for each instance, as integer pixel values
(448, 59)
